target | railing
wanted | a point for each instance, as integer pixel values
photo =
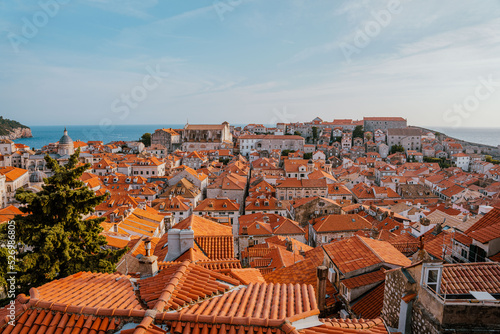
(470, 301)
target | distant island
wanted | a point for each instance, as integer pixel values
(10, 129)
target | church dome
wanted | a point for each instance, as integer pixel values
(65, 139)
(37, 177)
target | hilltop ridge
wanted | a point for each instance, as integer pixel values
(10, 129)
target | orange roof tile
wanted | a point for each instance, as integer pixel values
(247, 275)
(365, 279)
(181, 284)
(334, 223)
(12, 173)
(92, 290)
(465, 277)
(358, 252)
(370, 305)
(204, 227)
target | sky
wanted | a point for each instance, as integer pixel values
(112, 62)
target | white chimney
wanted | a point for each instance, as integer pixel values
(148, 264)
(174, 244)
(186, 240)
(179, 241)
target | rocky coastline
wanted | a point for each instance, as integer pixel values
(17, 133)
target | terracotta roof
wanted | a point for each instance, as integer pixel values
(282, 241)
(53, 320)
(370, 305)
(183, 283)
(216, 247)
(203, 227)
(303, 272)
(365, 279)
(8, 213)
(229, 182)
(303, 183)
(247, 275)
(490, 221)
(92, 290)
(12, 173)
(117, 240)
(217, 204)
(334, 223)
(486, 234)
(438, 244)
(342, 326)
(177, 203)
(267, 301)
(465, 277)
(358, 252)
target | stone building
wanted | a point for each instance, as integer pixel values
(409, 138)
(266, 143)
(168, 138)
(292, 188)
(431, 297)
(199, 137)
(383, 123)
(65, 146)
(323, 230)
(310, 208)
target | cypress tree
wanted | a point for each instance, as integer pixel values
(55, 238)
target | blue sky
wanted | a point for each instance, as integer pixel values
(89, 62)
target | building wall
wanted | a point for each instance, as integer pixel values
(285, 193)
(383, 125)
(393, 292)
(313, 209)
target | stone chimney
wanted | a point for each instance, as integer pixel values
(179, 241)
(186, 239)
(244, 230)
(148, 265)
(289, 245)
(322, 274)
(174, 244)
(302, 252)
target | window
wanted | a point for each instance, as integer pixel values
(432, 277)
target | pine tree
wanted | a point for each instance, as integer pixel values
(56, 239)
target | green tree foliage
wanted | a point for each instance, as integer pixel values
(146, 139)
(54, 238)
(308, 155)
(315, 132)
(7, 125)
(397, 148)
(489, 158)
(3, 266)
(442, 162)
(297, 133)
(358, 132)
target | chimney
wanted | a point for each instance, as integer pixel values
(186, 238)
(244, 230)
(174, 244)
(322, 274)
(302, 252)
(289, 245)
(148, 265)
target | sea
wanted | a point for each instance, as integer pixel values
(43, 135)
(46, 134)
(485, 136)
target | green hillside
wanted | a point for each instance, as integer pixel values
(7, 125)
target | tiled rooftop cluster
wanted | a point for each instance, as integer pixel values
(259, 229)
